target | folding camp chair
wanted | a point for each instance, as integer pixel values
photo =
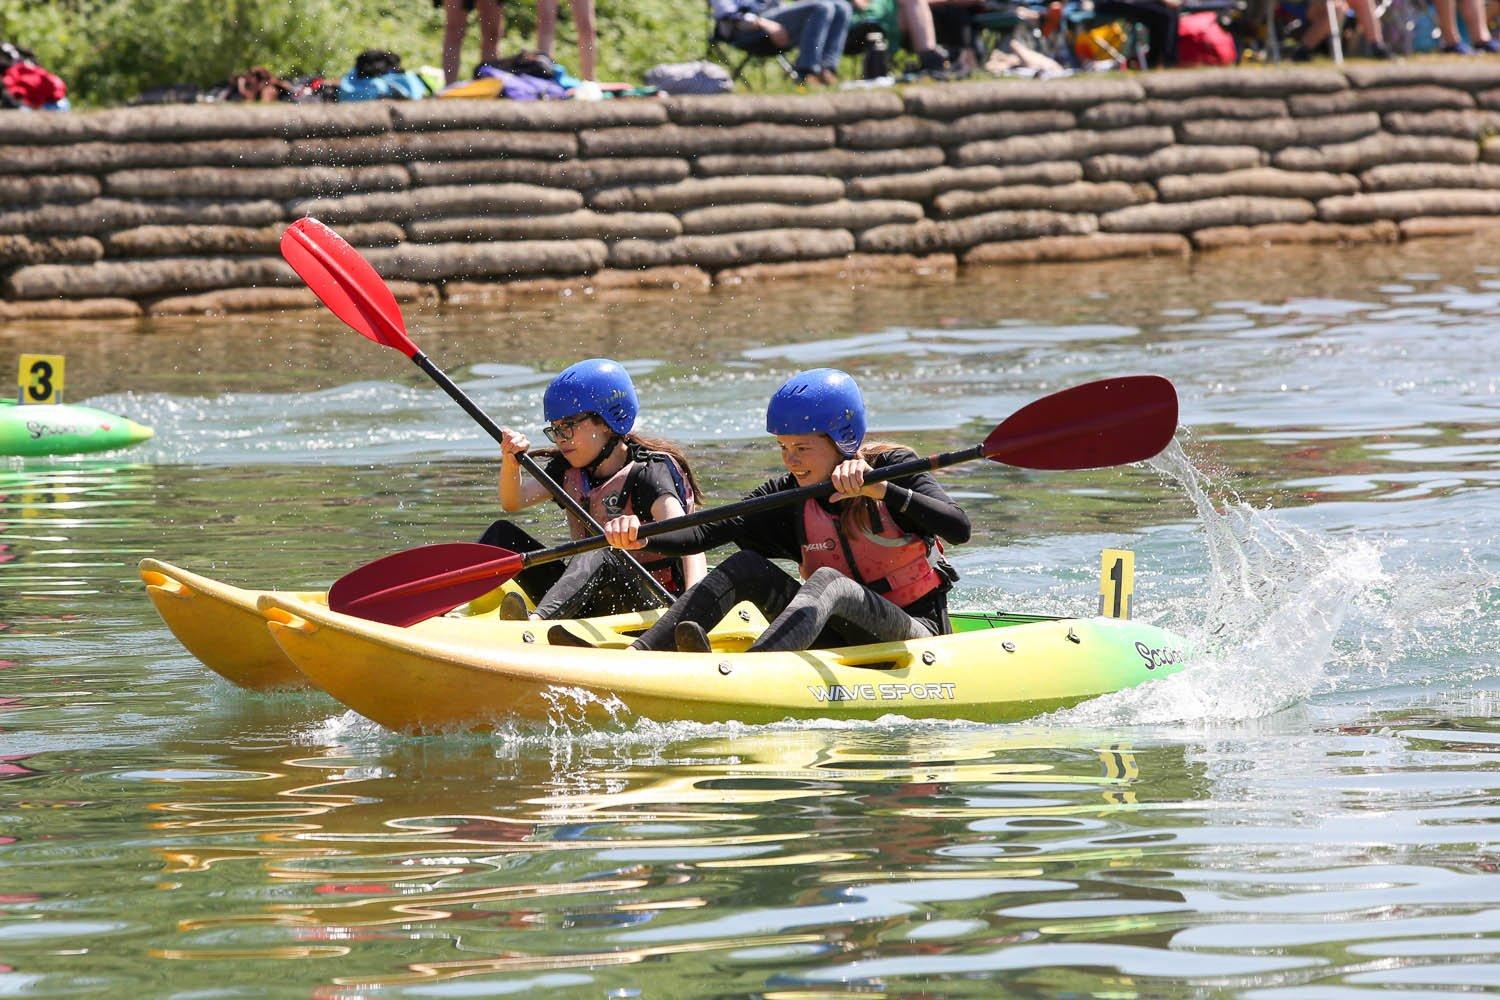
(721, 41)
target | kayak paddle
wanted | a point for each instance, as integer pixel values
(346, 283)
(1113, 421)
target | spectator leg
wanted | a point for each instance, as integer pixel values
(455, 22)
(1316, 30)
(583, 20)
(916, 22)
(838, 34)
(808, 22)
(1479, 29)
(491, 25)
(1369, 24)
(546, 25)
(1447, 11)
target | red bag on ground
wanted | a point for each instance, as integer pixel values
(33, 86)
(1202, 41)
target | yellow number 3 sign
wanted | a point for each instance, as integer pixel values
(41, 378)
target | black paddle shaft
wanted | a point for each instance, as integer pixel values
(757, 504)
(528, 463)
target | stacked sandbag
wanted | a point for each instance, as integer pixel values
(180, 208)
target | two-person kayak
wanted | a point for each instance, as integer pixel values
(475, 671)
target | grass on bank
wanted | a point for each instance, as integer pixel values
(109, 51)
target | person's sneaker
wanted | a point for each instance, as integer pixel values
(935, 64)
(1490, 45)
(1307, 53)
(513, 607)
(691, 638)
(1459, 49)
(1378, 50)
(557, 635)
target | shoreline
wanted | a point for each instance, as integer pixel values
(176, 210)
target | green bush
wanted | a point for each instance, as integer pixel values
(110, 50)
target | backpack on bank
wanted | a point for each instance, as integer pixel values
(25, 84)
(690, 78)
(1202, 41)
(377, 75)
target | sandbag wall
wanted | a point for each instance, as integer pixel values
(178, 210)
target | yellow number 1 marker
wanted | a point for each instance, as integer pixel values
(1116, 582)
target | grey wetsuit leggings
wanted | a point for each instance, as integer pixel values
(829, 609)
(601, 582)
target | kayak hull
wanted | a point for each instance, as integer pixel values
(64, 429)
(462, 679)
(221, 626)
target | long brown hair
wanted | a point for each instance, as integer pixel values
(860, 516)
(870, 449)
(634, 440)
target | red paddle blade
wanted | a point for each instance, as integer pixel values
(1114, 421)
(345, 283)
(408, 587)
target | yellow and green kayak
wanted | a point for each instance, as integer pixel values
(473, 674)
(63, 429)
(472, 670)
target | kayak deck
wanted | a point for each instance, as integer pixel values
(997, 668)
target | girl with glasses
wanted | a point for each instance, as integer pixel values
(591, 411)
(869, 556)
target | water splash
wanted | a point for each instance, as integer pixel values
(1264, 632)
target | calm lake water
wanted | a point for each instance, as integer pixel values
(1312, 810)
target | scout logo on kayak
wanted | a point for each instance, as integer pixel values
(884, 692)
(38, 430)
(1160, 656)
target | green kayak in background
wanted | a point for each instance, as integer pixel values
(64, 429)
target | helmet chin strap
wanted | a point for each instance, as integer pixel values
(592, 469)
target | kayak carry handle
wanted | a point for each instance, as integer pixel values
(279, 620)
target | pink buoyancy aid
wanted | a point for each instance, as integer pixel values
(612, 498)
(897, 566)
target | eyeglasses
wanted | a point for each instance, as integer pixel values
(562, 430)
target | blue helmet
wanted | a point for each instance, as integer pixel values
(597, 385)
(820, 401)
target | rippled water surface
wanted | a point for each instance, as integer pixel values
(1311, 810)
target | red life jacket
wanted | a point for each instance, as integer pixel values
(614, 498)
(897, 566)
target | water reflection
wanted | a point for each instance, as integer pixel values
(792, 859)
(625, 843)
(156, 826)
